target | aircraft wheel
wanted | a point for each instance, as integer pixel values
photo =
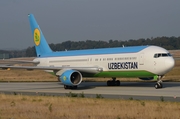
(70, 87)
(113, 83)
(117, 83)
(109, 83)
(158, 85)
(74, 87)
(66, 87)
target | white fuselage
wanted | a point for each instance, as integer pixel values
(144, 60)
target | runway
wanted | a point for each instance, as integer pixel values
(127, 90)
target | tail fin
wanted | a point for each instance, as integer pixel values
(41, 44)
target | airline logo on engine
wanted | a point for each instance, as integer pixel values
(64, 78)
(123, 65)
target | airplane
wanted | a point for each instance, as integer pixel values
(144, 62)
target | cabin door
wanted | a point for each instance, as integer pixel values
(141, 59)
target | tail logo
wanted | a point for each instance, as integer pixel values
(37, 37)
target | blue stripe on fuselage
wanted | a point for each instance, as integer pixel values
(96, 51)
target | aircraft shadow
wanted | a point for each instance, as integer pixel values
(80, 87)
(89, 85)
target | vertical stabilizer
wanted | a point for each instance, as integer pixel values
(40, 42)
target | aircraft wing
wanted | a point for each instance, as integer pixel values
(10, 61)
(81, 69)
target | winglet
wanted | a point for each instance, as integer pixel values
(40, 42)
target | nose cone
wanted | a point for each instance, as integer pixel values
(169, 63)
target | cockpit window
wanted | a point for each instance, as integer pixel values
(162, 55)
(159, 55)
(169, 54)
(155, 55)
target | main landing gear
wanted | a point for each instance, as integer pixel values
(113, 82)
(70, 87)
(159, 83)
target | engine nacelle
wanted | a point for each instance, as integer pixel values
(71, 77)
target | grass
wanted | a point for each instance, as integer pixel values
(26, 107)
(25, 75)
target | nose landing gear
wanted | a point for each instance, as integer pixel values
(159, 82)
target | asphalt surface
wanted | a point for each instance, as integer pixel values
(127, 90)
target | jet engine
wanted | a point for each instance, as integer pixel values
(71, 78)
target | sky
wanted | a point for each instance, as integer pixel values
(81, 20)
